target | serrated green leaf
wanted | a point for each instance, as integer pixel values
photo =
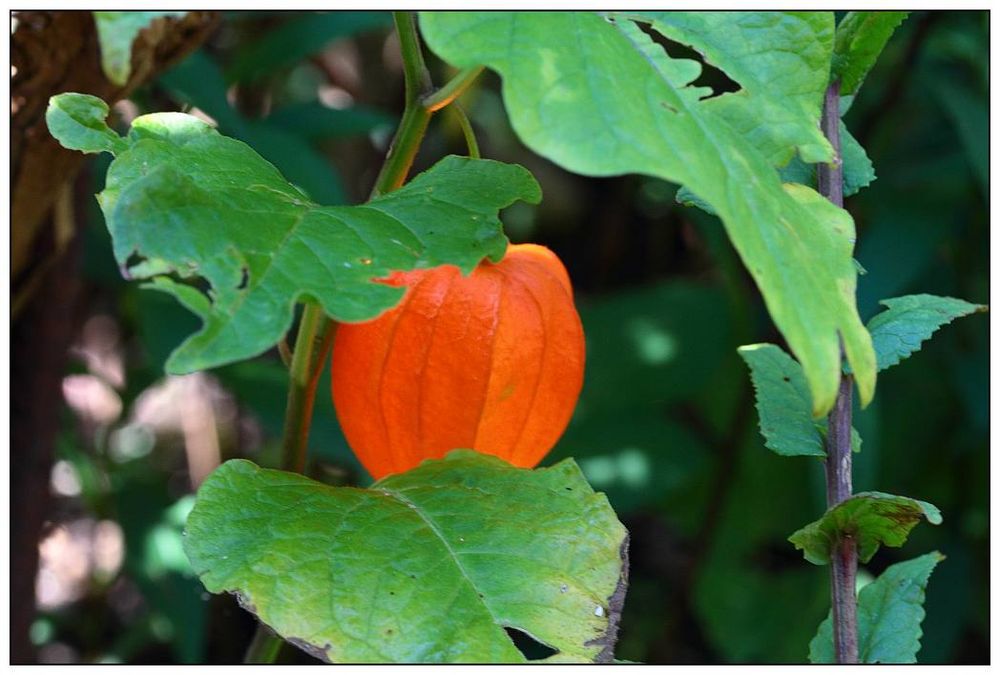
(781, 60)
(872, 518)
(890, 611)
(426, 566)
(909, 320)
(592, 97)
(859, 41)
(783, 402)
(183, 201)
(115, 32)
(781, 395)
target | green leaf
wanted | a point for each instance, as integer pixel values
(781, 60)
(890, 611)
(183, 202)
(909, 320)
(872, 518)
(297, 38)
(858, 43)
(783, 405)
(78, 122)
(198, 81)
(858, 170)
(426, 566)
(594, 96)
(783, 402)
(115, 32)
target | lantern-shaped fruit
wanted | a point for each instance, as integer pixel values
(492, 361)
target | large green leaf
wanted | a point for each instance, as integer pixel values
(426, 566)
(781, 60)
(182, 201)
(859, 41)
(599, 97)
(115, 32)
(872, 518)
(890, 611)
(909, 320)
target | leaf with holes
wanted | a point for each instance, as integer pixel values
(781, 60)
(431, 565)
(116, 31)
(188, 206)
(600, 98)
(860, 38)
(909, 320)
(872, 518)
(890, 611)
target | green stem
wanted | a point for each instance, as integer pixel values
(316, 330)
(312, 344)
(453, 89)
(265, 646)
(467, 131)
(418, 80)
(403, 149)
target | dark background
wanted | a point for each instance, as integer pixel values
(665, 425)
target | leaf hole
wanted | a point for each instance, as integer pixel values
(530, 648)
(134, 259)
(712, 77)
(786, 379)
(244, 279)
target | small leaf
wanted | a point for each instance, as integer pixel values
(858, 170)
(182, 201)
(871, 518)
(78, 122)
(426, 566)
(859, 41)
(116, 31)
(909, 320)
(783, 404)
(890, 611)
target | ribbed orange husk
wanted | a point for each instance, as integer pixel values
(492, 361)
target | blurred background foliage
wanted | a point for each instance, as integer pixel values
(665, 424)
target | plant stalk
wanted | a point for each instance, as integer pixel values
(453, 89)
(312, 344)
(316, 330)
(844, 561)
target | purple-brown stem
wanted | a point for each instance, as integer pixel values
(844, 560)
